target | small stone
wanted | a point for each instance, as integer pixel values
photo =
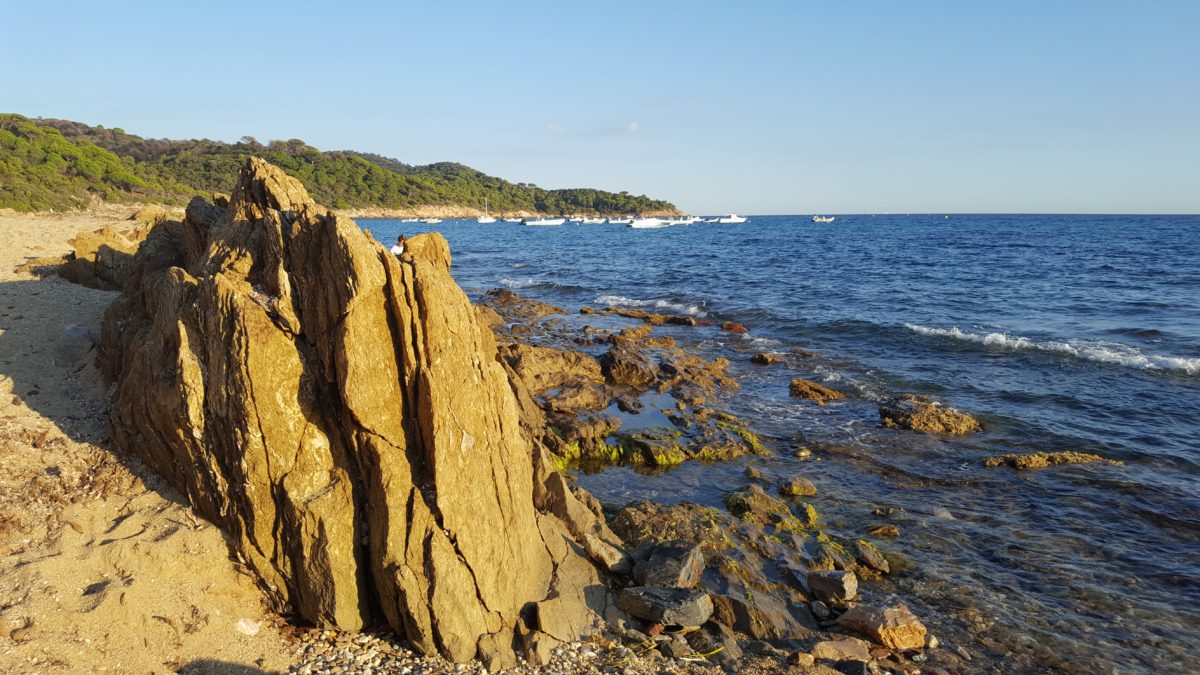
(753, 473)
(673, 564)
(895, 627)
(833, 586)
(674, 606)
(820, 610)
(931, 642)
(676, 648)
(888, 530)
(802, 453)
(847, 649)
(798, 487)
(870, 556)
(801, 659)
(765, 358)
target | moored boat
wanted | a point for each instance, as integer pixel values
(486, 218)
(431, 221)
(732, 218)
(649, 223)
(824, 219)
(620, 221)
(592, 221)
(544, 222)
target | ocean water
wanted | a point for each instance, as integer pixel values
(1060, 332)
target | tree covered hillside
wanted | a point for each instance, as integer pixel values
(61, 164)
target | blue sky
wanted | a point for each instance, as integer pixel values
(754, 107)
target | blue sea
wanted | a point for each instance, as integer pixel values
(1074, 332)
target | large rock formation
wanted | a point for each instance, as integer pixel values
(341, 413)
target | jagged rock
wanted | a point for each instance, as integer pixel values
(1041, 460)
(921, 413)
(801, 388)
(870, 556)
(631, 335)
(766, 358)
(798, 487)
(543, 368)
(672, 564)
(344, 417)
(150, 215)
(734, 327)
(671, 606)
(753, 501)
(101, 258)
(833, 586)
(846, 649)
(517, 307)
(895, 627)
(627, 365)
(676, 648)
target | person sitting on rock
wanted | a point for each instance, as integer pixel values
(399, 246)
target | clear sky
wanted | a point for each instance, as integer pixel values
(754, 107)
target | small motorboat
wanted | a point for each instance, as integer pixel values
(592, 221)
(731, 218)
(544, 222)
(649, 223)
(620, 221)
(431, 221)
(824, 219)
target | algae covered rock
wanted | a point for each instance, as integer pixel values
(921, 413)
(1042, 460)
(817, 393)
(343, 416)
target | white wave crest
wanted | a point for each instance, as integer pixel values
(1102, 352)
(517, 283)
(622, 301)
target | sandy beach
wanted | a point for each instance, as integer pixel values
(103, 568)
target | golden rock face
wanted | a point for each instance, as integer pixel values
(341, 413)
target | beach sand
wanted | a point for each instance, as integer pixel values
(102, 566)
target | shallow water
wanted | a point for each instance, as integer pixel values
(1060, 332)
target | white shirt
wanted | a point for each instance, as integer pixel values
(397, 249)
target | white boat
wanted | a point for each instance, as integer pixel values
(686, 220)
(649, 223)
(620, 221)
(823, 219)
(575, 219)
(514, 220)
(411, 220)
(431, 221)
(592, 221)
(731, 218)
(486, 217)
(544, 222)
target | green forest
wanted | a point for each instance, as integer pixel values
(58, 164)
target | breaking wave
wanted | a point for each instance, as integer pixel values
(622, 301)
(517, 283)
(1102, 352)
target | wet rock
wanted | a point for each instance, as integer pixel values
(753, 473)
(801, 388)
(881, 531)
(1041, 460)
(870, 557)
(543, 368)
(766, 358)
(515, 307)
(627, 365)
(833, 586)
(674, 564)
(754, 501)
(846, 649)
(894, 627)
(734, 327)
(921, 413)
(798, 487)
(631, 335)
(802, 453)
(672, 606)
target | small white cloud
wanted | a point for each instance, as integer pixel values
(632, 127)
(555, 130)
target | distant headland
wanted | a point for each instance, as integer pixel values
(51, 164)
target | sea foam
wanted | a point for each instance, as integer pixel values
(622, 301)
(1102, 352)
(517, 283)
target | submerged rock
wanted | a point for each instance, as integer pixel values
(798, 487)
(766, 358)
(895, 627)
(819, 394)
(343, 415)
(1041, 460)
(921, 413)
(515, 307)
